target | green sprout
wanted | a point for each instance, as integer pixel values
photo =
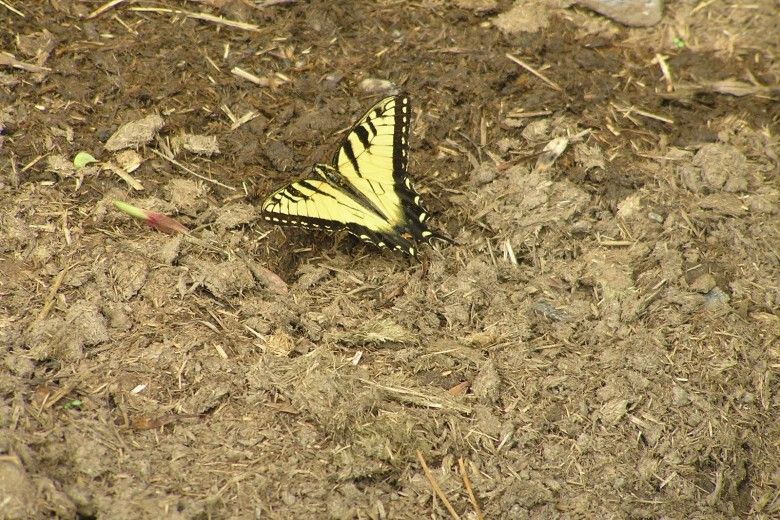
(72, 404)
(82, 159)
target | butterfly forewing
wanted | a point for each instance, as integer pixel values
(377, 147)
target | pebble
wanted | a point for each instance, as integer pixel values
(635, 13)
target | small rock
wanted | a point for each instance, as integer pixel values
(523, 17)
(614, 410)
(128, 160)
(485, 174)
(377, 86)
(680, 396)
(536, 131)
(135, 133)
(487, 383)
(655, 217)
(61, 165)
(716, 297)
(16, 489)
(723, 204)
(634, 13)
(197, 144)
(480, 6)
(704, 283)
(722, 167)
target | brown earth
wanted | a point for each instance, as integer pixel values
(603, 340)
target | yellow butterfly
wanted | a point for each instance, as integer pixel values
(366, 189)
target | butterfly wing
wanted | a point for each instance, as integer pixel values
(319, 204)
(373, 159)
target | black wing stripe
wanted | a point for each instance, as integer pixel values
(350, 153)
(371, 126)
(292, 194)
(306, 184)
(362, 134)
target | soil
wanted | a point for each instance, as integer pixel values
(603, 340)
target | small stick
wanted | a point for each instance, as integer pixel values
(660, 59)
(10, 8)
(536, 73)
(124, 24)
(199, 176)
(103, 8)
(700, 7)
(269, 3)
(243, 74)
(6, 58)
(200, 16)
(229, 113)
(521, 114)
(33, 162)
(244, 119)
(469, 490)
(65, 228)
(628, 110)
(14, 172)
(50, 298)
(435, 486)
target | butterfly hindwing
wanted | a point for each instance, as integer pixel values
(366, 190)
(318, 204)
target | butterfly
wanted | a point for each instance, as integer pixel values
(366, 189)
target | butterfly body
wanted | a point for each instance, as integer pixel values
(366, 189)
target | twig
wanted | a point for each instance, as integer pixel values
(55, 286)
(467, 484)
(536, 73)
(33, 162)
(700, 7)
(628, 110)
(729, 87)
(11, 8)
(125, 176)
(509, 252)
(244, 119)
(200, 16)
(243, 74)
(418, 398)
(199, 176)
(6, 58)
(269, 3)
(103, 8)
(660, 59)
(435, 486)
(521, 114)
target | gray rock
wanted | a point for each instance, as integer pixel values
(636, 13)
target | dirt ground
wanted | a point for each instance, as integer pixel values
(602, 341)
